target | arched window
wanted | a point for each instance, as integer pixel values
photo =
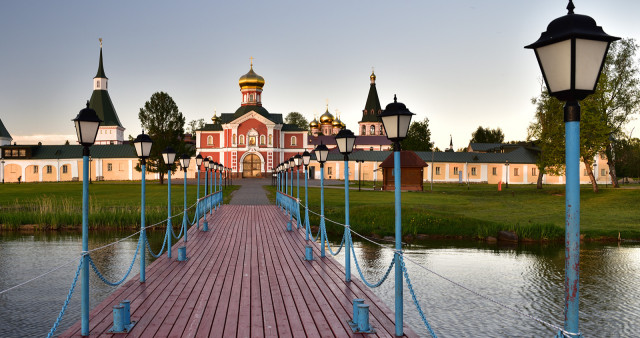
(364, 130)
(262, 139)
(64, 169)
(294, 141)
(241, 139)
(381, 131)
(270, 139)
(235, 140)
(372, 130)
(209, 140)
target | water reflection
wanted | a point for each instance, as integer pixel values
(31, 310)
(529, 277)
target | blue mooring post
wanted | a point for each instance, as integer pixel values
(143, 238)
(205, 225)
(347, 229)
(306, 200)
(322, 239)
(85, 242)
(198, 200)
(169, 226)
(185, 219)
(572, 228)
(397, 182)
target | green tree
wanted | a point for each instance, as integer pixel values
(195, 125)
(418, 137)
(487, 135)
(164, 123)
(627, 154)
(297, 119)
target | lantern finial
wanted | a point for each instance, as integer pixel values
(570, 7)
(395, 99)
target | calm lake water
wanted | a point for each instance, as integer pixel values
(527, 277)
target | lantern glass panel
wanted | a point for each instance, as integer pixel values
(87, 131)
(404, 122)
(589, 57)
(390, 123)
(555, 60)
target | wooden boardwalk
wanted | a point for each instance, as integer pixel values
(246, 277)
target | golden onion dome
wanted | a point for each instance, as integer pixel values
(326, 118)
(314, 123)
(251, 80)
(372, 77)
(337, 122)
(342, 125)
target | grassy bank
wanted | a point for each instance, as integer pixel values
(481, 211)
(112, 205)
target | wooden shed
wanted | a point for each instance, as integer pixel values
(412, 167)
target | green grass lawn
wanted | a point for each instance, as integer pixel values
(480, 211)
(112, 204)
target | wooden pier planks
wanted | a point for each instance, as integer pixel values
(246, 277)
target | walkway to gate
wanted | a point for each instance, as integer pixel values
(246, 277)
(251, 192)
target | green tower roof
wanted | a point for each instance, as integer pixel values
(4, 132)
(100, 73)
(101, 103)
(372, 108)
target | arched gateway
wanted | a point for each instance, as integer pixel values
(251, 166)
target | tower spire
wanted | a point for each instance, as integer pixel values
(100, 74)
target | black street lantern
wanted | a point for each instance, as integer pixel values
(321, 153)
(169, 156)
(306, 158)
(291, 163)
(87, 123)
(185, 160)
(396, 119)
(285, 164)
(143, 145)
(211, 164)
(199, 160)
(571, 54)
(206, 163)
(297, 160)
(345, 140)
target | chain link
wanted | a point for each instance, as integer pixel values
(95, 269)
(413, 295)
(371, 285)
(66, 302)
(161, 249)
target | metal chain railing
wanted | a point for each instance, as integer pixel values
(364, 280)
(97, 272)
(413, 295)
(66, 302)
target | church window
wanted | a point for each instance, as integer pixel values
(49, 169)
(270, 139)
(262, 139)
(329, 170)
(455, 170)
(473, 172)
(364, 130)
(380, 132)
(64, 169)
(234, 139)
(109, 167)
(515, 172)
(372, 131)
(98, 84)
(534, 172)
(35, 169)
(294, 141)
(494, 171)
(209, 140)
(437, 170)
(241, 139)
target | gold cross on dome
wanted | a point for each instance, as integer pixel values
(251, 58)
(100, 42)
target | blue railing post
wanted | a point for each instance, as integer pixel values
(198, 200)
(347, 229)
(205, 225)
(215, 187)
(169, 226)
(398, 286)
(211, 193)
(185, 221)
(572, 227)
(85, 242)
(306, 200)
(298, 195)
(143, 237)
(322, 239)
(286, 181)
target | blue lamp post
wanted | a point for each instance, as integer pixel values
(291, 166)
(321, 153)
(169, 156)
(211, 191)
(306, 159)
(286, 177)
(143, 145)
(185, 160)
(87, 123)
(571, 54)
(345, 140)
(396, 119)
(205, 224)
(297, 161)
(198, 168)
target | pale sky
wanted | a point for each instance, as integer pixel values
(459, 63)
